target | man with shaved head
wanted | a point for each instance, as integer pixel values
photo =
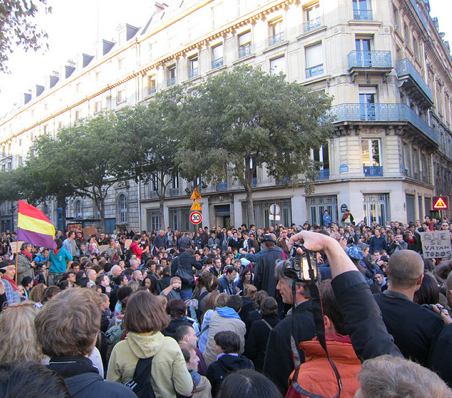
(414, 328)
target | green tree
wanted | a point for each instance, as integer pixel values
(17, 27)
(245, 118)
(151, 135)
(84, 160)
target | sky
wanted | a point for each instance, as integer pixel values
(73, 27)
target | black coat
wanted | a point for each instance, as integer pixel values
(278, 362)
(264, 278)
(83, 380)
(183, 265)
(365, 326)
(256, 342)
(220, 368)
(441, 359)
(415, 329)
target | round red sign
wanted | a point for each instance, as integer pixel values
(196, 217)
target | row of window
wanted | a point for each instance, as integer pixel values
(121, 208)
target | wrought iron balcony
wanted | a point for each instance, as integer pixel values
(282, 181)
(171, 81)
(221, 186)
(314, 71)
(420, 14)
(174, 192)
(408, 73)
(217, 63)
(363, 15)
(383, 113)
(373, 171)
(323, 174)
(312, 25)
(244, 51)
(370, 59)
(193, 73)
(276, 38)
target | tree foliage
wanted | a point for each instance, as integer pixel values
(244, 118)
(17, 27)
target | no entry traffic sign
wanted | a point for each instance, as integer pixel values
(196, 217)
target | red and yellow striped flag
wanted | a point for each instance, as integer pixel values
(34, 227)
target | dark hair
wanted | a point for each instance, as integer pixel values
(247, 383)
(428, 293)
(26, 280)
(181, 332)
(50, 292)
(228, 341)
(176, 308)
(235, 302)
(269, 306)
(40, 381)
(145, 313)
(331, 307)
(185, 353)
(229, 269)
(123, 292)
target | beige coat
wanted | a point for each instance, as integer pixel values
(219, 324)
(169, 372)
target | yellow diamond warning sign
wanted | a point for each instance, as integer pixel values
(440, 203)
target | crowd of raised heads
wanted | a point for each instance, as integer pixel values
(228, 312)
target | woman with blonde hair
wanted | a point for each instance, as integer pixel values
(17, 328)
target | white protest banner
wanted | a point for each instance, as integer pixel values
(436, 244)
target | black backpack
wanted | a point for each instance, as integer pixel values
(141, 381)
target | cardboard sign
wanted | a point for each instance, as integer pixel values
(127, 243)
(103, 248)
(436, 244)
(15, 246)
(89, 231)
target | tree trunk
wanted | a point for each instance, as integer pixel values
(250, 207)
(61, 202)
(162, 213)
(102, 213)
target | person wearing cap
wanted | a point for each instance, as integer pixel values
(283, 353)
(264, 278)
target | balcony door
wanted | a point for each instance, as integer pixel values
(367, 106)
(363, 52)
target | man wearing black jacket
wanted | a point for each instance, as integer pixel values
(283, 354)
(182, 266)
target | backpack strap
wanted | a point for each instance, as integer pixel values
(141, 382)
(269, 326)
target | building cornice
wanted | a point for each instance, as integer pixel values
(261, 14)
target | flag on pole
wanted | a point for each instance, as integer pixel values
(34, 227)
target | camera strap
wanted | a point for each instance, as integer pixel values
(317, 312)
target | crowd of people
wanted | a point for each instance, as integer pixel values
(302, 311)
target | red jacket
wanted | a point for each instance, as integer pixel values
(315, 374)
(136, 249)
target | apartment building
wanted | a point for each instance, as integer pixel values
(383, 61)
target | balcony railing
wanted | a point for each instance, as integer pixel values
(244, 51)
(221, 186)
(362, 15)
(282, 181)
(174, 192)
(323, 174)
(217, 63)
(420, 14)
(383, 113)
(314, 71)
(312, 25)
(193, 73)
(276, 38)
(373, 171)
(369, 59)
(171, 81)
(405, 69)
